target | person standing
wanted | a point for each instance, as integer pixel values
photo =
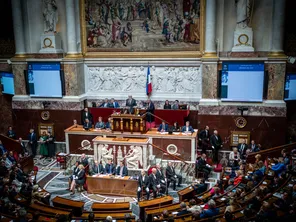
(131, 102)
(167, 105)
(242, 148)
(11, 133)
(33, 142)
(51, 145)
(216, 143)
(86, 115)
(204, 139)
(43, 145)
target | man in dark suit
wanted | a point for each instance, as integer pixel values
(204, 139)
(187, 128)
(24, 148)
(105, 104)
(110, 168)
(97, 168)
(143, 184)
(184, 210)
(131, 102)
(11, 133)
(154, 183)
(86, 115)
(163, 127)
(121, 170)
(33, 141)
(87, 124)
(83, 160)
(203, 166)
(113, 104)
(216, 143)
(162, 179)
(172, 176)
(242, 149)
(254, 147)
(150, 111)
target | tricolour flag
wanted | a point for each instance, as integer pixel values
(148, 82)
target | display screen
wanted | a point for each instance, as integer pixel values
(242, 82)
(290, 86)
(7, 83)
(44, 80)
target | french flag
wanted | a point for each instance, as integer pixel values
(148, 82)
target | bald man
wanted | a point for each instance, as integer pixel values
(154, 182)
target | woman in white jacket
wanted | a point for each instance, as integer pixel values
(234, 157)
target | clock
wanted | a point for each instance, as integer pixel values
(45, 115)
(240, 122)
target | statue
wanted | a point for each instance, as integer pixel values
(106, 154)
(50, 14)
(134, 157)
(243, 13)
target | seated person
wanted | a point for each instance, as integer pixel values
(87, 124)
(40, 196)
(162, 179)
(11, 157)
(163, 127)
(108, 125)
(166, 217)
(187, 128)
(193, 207)
(254, 147)
(172, 176)
(266, 213)
(79, 179)
(184, 210)
(167, 105)
(234, 157)
(176, 127)
(261, 167)
(283, 203)
(105, 104)
(122, 170)
(143, 184)
(176, 105)
(2, 148)
(211, 212)
(279, 167)
(7, 162)
(83, 160)
(200, 187)
(216, 192)
(100, 124)
(74, 173)
(229, 185)
(113, 104)
(110, 168)
(97, 168)
(11, 133)
(24, 149)
(238, 178)
(232, 206)
(203, 166)
(154, 182)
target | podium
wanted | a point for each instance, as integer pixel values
(128, 123)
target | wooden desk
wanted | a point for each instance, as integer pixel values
(186, 144)
(76, 206)
(110, 206)
(186, 193)
(102, 216)
(128, 123)
(108, 185)
(50, 210)
(153, 203)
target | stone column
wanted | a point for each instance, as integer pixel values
(278, 22)
(18, 28)
(210, 39)
(71, 28)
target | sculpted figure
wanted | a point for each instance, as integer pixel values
(243, 12)
(50, 14)
(134, 157)
(106, 154)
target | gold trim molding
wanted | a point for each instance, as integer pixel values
(279, 54)
(163, 54)
(74, 55)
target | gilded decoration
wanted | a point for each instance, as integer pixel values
(142, 28)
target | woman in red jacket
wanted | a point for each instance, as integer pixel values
(238, 178)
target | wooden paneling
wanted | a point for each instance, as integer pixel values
(268, 131)
(23, 120)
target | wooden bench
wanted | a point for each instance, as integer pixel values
(110, 206)
(186, 193)
(102, 216)
(50, 210)
(76, 206)
(153, 203)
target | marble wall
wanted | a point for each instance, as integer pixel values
(209, 80)
(19, 77)
(172, 83)
(276, 80)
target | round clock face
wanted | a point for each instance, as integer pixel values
(243, 39)
(45, 115)
(240, 122)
